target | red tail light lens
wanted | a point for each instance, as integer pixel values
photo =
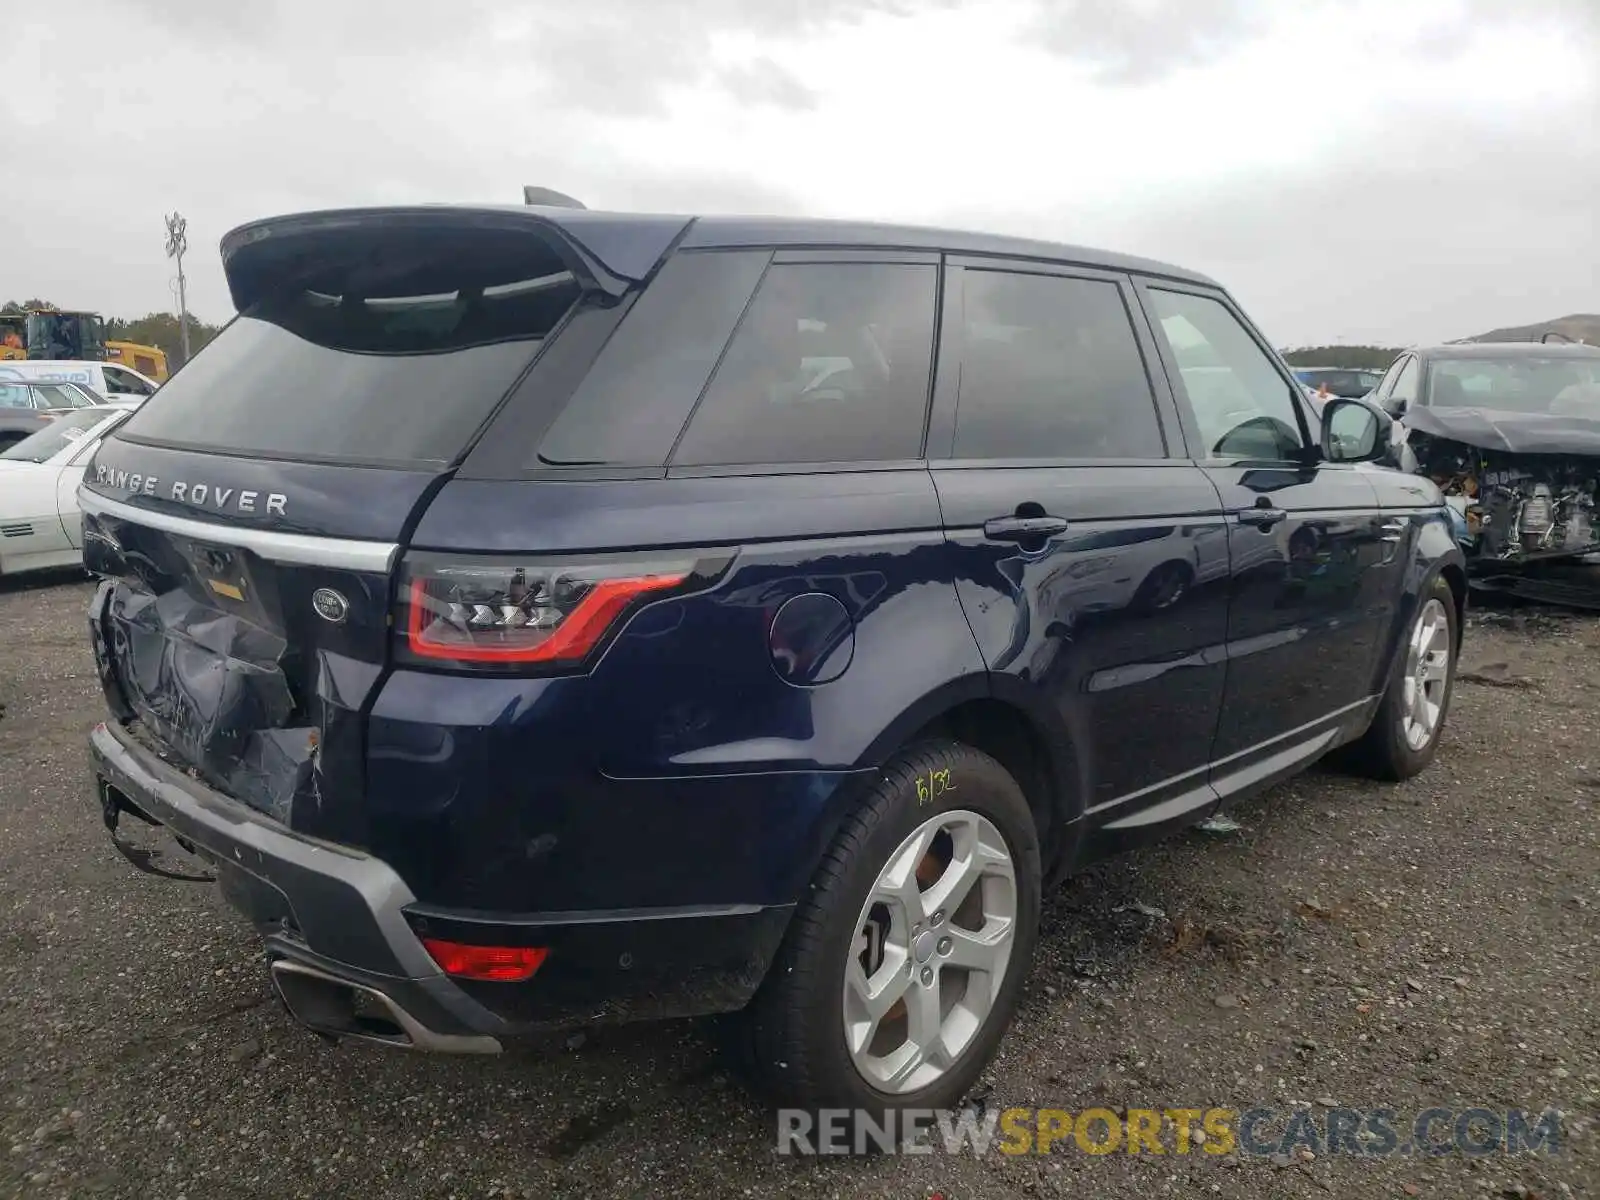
(496, 964)
(511, 613)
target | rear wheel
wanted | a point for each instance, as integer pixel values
(1404, 735)
(902, 966)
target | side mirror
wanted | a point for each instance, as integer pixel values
(1355, 431)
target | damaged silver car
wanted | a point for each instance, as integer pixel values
(1511, 433)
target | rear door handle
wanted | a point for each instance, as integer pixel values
(1023, 529)
(1262, 518)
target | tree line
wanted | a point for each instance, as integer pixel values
(1354, 358)
(158, 329)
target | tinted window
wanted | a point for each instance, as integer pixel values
(390, 354)
(1341, 383)
(1244, 407)
(830, 364)
(631, 406)
(1050, 368)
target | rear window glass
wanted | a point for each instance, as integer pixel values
(61, 395)
(831, 363)
(69, 429)
(392, 355)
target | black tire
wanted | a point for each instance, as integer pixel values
(1383, 751)
(792, 1036)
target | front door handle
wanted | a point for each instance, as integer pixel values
(1023, 529)
(1262, 518)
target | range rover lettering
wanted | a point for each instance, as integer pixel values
(643, 616)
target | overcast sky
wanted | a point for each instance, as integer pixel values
(1386, 171)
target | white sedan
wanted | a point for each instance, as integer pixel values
(40, 525)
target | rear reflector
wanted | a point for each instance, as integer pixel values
(497, 964)
(510, 613)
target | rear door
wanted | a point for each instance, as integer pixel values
(247, 518)
(1090, 556)
(1309, 594)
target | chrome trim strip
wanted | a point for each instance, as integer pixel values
(346, 554)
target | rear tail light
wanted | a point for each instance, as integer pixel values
(518, 614)
(495, 964)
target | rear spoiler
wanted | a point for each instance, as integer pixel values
(609, 252)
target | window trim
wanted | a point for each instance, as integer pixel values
(1309, 427)
(866, 256)
(940, 447)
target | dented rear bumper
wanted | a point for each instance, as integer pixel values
(334, 910)
(344, 919)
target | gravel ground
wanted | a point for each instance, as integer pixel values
(1436, 943)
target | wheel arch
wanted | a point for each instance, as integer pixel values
(1007, 724)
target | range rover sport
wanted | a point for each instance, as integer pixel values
(539, 616)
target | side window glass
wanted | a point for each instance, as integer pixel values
(54, 395)
(1050, 368)
(1244, 407)
(830, 364)
(632, 403)
(1404, 393)
(119, 380)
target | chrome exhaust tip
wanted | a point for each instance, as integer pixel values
(340, 1009)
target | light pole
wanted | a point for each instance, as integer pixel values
(177, 243)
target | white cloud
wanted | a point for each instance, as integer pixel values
(1349, 167)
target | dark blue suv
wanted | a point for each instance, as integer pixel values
(541, 616)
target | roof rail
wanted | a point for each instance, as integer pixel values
(549, 197)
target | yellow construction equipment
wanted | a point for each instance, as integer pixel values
(81, 336)
(149, 361)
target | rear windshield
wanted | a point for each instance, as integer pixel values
(393, 355)
(66, 430)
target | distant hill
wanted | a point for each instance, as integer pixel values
(1580, 327)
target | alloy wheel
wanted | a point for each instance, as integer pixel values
(932, 944)
(1427, 675)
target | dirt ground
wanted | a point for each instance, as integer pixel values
(1436, 943)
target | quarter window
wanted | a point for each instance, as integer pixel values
(1051, 368)
(830, 364)
(1243, 405)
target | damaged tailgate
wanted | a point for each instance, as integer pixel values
(247, 520)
